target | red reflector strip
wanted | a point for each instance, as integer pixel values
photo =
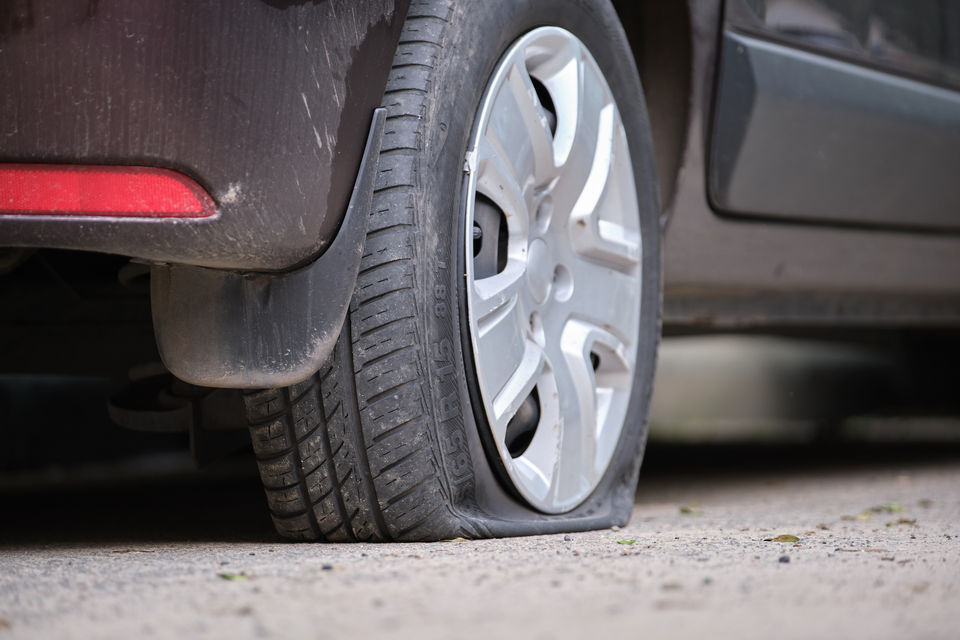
(83, 190)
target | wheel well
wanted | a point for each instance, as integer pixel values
(660, 36)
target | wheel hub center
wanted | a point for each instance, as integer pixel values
(539, 270)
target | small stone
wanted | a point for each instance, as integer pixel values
(568, 538)
(327, 567)
(707, 581)
(784, 559)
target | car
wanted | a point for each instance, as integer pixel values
(426, 247)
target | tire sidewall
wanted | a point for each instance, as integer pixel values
(479, 34)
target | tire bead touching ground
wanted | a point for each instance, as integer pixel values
(381, 444)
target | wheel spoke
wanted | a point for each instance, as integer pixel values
(613, 378)
(490, 294)
(539, 472)
(497, 180)
(592, 234)
(559, 66)
(535, 124)
(605, 296)
(574, 381)
(580, 146)
(591, 393)
(539, 465)
(517, 387)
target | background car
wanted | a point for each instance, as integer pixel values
(425, 248)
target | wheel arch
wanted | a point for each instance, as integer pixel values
(660, 35)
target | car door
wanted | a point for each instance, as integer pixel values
(840, 112)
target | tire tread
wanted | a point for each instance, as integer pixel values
(348, 455)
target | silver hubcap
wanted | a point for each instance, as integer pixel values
(553, 289)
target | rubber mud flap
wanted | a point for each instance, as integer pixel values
(245, 330)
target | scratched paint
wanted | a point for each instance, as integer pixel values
(269, 111)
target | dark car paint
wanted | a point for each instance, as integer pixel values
(728, 272)
(920, 38)
(265, 104)
(806, 87)
(804, 136)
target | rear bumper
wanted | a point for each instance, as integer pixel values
(265, 104)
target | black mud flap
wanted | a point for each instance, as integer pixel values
(252, 330)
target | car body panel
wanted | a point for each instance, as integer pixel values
(804, 136)
(736, 272)
(266, 104)
(918, 39)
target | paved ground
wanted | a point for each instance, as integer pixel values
(877, 557)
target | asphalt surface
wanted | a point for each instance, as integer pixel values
(132, 554)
